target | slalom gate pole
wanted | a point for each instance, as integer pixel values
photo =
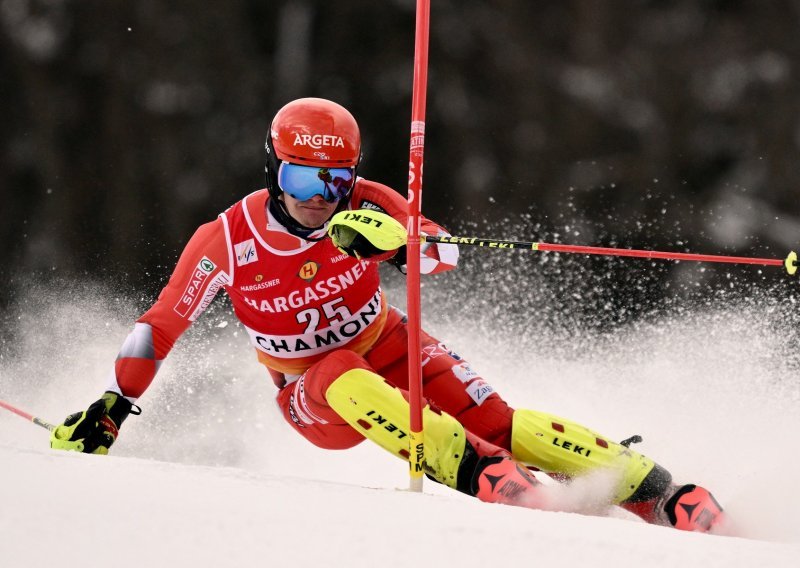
(416, 152)
(26, 416)
(790, 262)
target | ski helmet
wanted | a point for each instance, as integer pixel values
(311, 132)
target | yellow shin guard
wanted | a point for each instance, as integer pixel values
(379, 412)
(556, 445)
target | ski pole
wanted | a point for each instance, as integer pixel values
(26, 416)
(790, 262)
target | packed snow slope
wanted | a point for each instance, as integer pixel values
(67, 510)
(210, 475)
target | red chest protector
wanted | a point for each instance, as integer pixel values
(298, 299)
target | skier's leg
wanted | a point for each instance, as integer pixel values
(453, 456)
(530, 436)
(645, 488)
(556, 445)
(304, 406)
(449, 381)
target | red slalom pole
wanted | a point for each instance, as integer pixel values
(790, 262)
(416, 153)
(26, 416)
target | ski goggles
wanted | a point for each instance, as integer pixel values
(304, 182)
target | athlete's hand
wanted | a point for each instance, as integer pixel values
(366, 233)
(93, 430)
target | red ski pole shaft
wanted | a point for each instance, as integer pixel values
(416, 152)
(790, 262)
(26, 416)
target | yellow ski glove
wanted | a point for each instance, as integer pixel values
(366, 233)
(93, 430)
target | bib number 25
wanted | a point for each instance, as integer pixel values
(331, 310)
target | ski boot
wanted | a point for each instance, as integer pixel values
(499, 479)
(685, 507)
(693, 508)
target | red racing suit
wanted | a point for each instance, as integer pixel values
(302, 301)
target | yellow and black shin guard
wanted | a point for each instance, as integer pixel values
(559, 446)
(379, 412)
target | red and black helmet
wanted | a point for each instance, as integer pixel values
(310, 132)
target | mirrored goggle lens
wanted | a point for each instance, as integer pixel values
(304, 182)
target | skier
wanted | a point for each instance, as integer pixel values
(299, 261)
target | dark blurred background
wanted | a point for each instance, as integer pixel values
(652, 124)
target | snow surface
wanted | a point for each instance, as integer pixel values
(63, 509)
(210, 475)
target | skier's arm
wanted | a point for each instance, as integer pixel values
(435, 257)
(203, 267)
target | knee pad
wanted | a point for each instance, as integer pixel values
(559, 446)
